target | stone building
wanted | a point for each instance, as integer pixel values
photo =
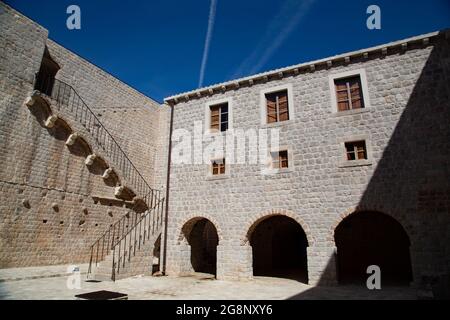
(359, 176)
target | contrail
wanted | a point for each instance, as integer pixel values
(284, 33)
(211, 19)
(278, 30)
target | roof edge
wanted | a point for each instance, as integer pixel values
(236, 83)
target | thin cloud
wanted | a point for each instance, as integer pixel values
(278, 30)
(211, 19)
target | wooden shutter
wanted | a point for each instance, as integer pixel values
(283, 107)
(356, 94)
(271, 108)
(284, 159)
(342, 95)
(215, 117)
(361, 150)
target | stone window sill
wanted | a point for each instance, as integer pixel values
(355, 163)
(277, 124)
(351, 112)
(218, 177)
(277, 171)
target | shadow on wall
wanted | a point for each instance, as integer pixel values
(411, 180)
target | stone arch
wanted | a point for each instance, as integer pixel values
(359, 209)
(251, 224)
(189, 222)
(371, 237)
(199, 241)
(61, 129)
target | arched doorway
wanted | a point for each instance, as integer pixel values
(202, 237)
(372, 238)
(279, 249)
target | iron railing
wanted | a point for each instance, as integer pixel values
(69, 101)
(133, 238)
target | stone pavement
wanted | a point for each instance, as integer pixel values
(195, 287)
(15, 274)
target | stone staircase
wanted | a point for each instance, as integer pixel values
(131, 253)
(126, 248)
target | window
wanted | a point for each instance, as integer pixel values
(219, 117)
(356, 150)
(218, 167)
(280, 160)
(277, 106)
(349, 93)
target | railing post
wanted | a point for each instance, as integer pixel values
(96, 259)
(90, 260)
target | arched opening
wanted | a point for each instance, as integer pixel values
(372, 238)
(202, 237)
(279, 249)
(45, 79)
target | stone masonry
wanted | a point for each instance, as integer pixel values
(53, 207)
(408, 117)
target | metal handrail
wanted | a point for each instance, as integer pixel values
(150, 228)
(66, 96)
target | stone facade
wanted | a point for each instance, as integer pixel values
(406, 118)
(53, 207)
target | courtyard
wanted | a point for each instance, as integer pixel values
(50, 283)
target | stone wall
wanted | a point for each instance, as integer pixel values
(407, 177)
(52, 206)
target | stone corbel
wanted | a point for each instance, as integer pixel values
(90, 159)
(71, 139)
(50, 122)
(107, 173)
(29, 102)
(118, 191)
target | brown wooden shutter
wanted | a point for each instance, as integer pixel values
(342, 95)
(284, 159)
(283, 106)
(356, 94)
(215, 117)
(271, 108)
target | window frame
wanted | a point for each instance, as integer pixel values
(225, 175)
(344, 162)
(361, 73)
(263, 104)
(269, 168)
(208, 106)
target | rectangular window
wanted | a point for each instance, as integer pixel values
(277, 106)
(349, 93)
(280, 160)
(356, 150)
(219, 117)
(218, 167)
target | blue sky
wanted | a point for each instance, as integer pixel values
(157, 46)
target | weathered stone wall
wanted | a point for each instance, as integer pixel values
(408, 178)
(52, 206)
(129, 116)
